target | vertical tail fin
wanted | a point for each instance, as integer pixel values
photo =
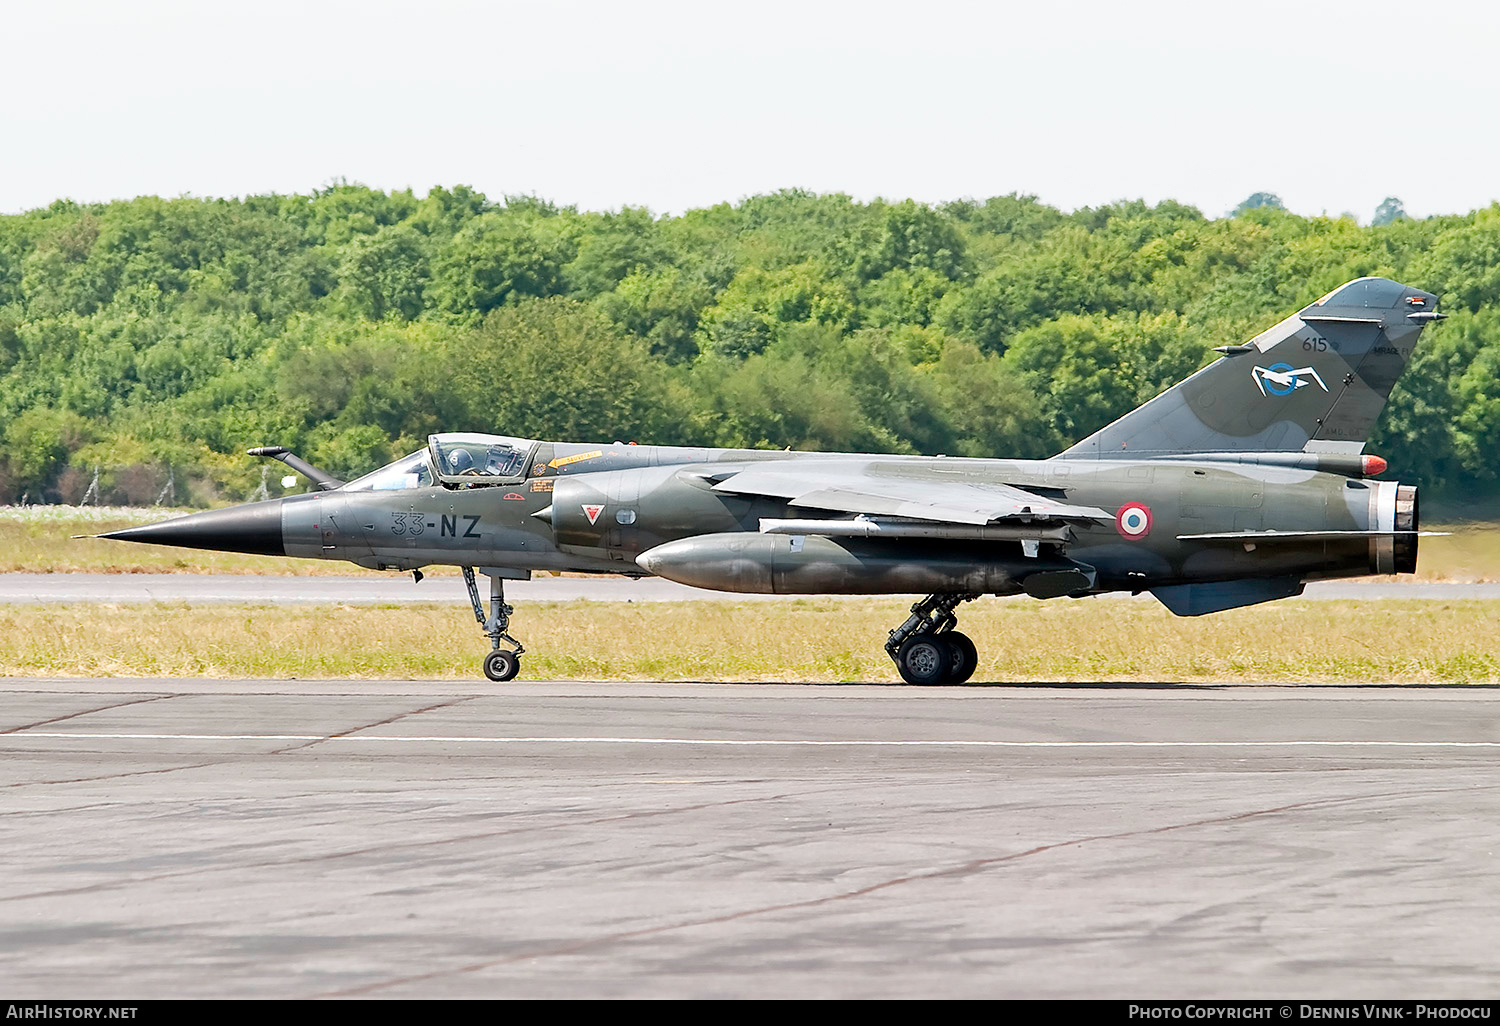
(1315, 382)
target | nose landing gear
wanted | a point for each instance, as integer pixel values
(501, 664)
(926, 648)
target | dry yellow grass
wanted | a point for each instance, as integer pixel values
(1471, 552)
(811, 640)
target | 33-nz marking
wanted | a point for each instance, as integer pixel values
(415, 524)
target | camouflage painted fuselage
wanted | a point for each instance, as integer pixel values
(603, 512)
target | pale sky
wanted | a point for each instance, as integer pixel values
(678, 105)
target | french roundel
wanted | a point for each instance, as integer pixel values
(1133, 520)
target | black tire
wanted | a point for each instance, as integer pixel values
(965, 657)
(924, 659)
(501, 665)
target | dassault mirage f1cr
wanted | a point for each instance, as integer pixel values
(1233, 487)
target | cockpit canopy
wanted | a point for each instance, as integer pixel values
(460, 458)
(466, 459)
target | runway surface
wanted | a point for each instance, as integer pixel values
(169, 838)
(246, 588)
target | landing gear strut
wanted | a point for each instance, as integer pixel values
(501, 664)
(926, 648)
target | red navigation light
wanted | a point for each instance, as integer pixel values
(1372, 465)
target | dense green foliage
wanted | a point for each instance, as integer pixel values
(348, 324)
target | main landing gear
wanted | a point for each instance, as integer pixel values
(501, 664)
(926, 648)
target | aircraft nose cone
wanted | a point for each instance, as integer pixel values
(254, 528)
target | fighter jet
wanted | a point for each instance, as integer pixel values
(1233, 487)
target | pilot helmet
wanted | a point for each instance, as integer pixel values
(459, 460)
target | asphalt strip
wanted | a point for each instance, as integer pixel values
(730, 742)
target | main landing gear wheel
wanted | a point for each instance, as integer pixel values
(924, 659)
(926, 648)
(965, 657)
(501, 664)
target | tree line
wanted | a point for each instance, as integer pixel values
(156, 336)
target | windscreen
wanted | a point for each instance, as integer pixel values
(408, 472)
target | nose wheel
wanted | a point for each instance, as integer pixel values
(926, 648)
(501, 664)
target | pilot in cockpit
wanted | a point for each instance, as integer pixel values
(459, 461)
